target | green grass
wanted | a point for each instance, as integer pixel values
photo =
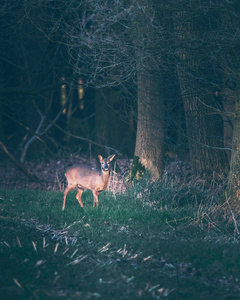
(122, 250)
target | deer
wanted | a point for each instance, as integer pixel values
(87, 178)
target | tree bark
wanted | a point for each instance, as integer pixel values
(150, 120)
(205, 137)
(150, 125)
(199, 78)
(232, 193)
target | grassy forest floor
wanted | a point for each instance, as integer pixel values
(152, 242)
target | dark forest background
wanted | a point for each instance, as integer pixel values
(158, 80)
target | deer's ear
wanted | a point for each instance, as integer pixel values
(100, 158)
(111, 157)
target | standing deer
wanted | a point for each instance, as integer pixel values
(86, 178)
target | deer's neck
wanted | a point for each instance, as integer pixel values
(105, 175)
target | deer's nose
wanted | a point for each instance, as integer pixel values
(105, 167)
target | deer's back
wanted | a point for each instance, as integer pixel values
(85, 177)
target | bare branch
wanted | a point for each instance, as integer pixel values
(17, 163)
(107, 148)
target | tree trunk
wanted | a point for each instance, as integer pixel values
(150, 120)
(199, 78)
(150, 125)
(205, 137)
(232, 193)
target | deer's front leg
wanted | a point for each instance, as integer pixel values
(95, 196)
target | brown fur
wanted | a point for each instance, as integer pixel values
(86, 178)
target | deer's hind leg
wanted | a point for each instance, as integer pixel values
(67, 190)
(79, 195)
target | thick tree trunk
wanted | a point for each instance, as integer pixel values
(150, 121)
(232, 193)
(150, 125)
(205, 137)
(199, 78)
